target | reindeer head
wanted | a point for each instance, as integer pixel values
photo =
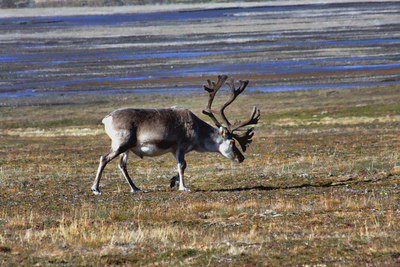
(231, 132)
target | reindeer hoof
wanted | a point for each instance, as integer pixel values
(174, 181)
(96, 191)
(185, 189)
(136, 190)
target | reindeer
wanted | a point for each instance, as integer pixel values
(176, 130)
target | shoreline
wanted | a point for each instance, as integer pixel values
(36, 93)
(277, 48)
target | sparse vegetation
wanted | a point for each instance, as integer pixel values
(319, 187)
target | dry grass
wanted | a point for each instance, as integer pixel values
(308, 193)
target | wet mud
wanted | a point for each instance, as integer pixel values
(281, 47)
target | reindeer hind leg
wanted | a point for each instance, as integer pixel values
(103, 162)
(122, 166)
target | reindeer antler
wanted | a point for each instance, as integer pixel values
(212, 90)
(243, 138)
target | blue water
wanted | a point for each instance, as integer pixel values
(238, 69)
(277, 88)
(40, 65)
(59, 58)
(242, 69)
(36, 93)
(134, 18)
(269, 68)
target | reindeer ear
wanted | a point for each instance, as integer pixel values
(223, 131)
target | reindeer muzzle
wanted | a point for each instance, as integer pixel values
(239, 158)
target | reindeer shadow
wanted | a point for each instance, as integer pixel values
(269, 188)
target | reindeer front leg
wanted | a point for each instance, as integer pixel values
(181, 169)
(175, 179)
(182, 186)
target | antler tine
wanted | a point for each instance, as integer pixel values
(244, 139)
(234, 94)
(254, 118)
(212, 90)
(210, 86)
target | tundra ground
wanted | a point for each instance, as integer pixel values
(319, 186)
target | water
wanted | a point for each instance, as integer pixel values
(285, 44)
(265, 68)
(119, 19)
